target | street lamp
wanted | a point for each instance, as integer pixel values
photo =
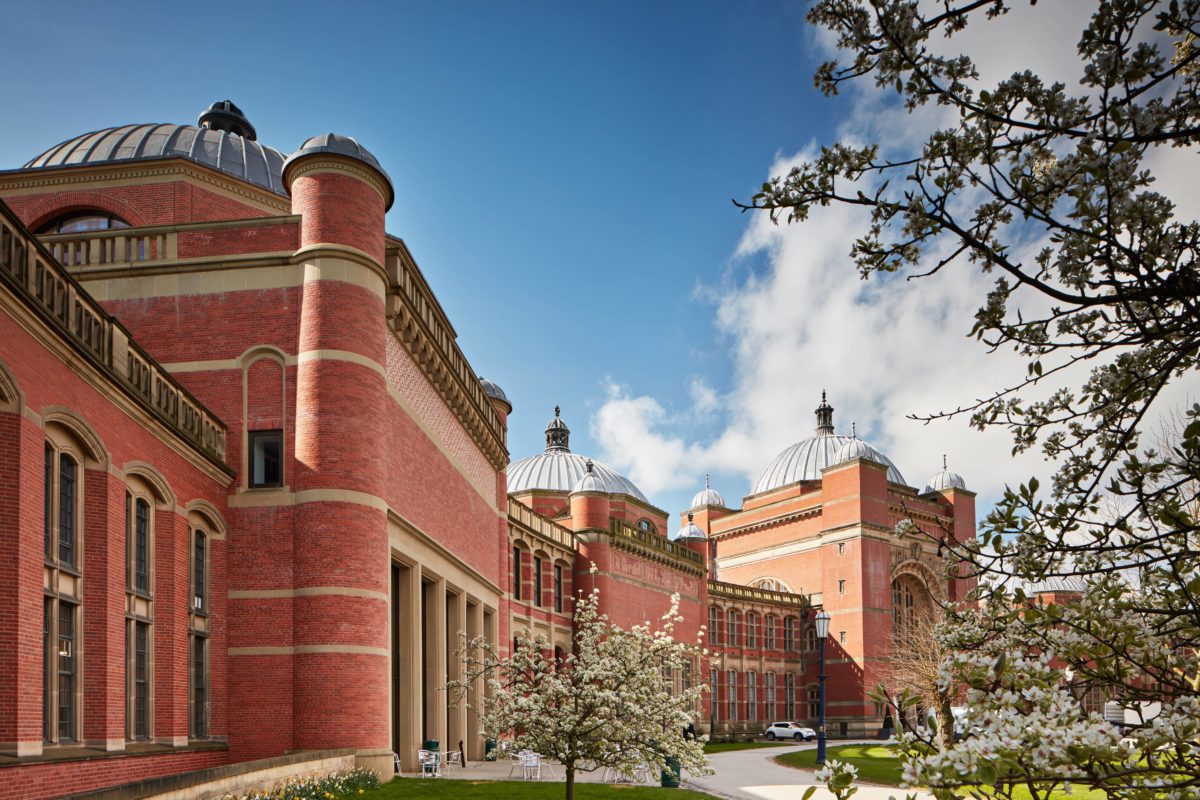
(822, 631)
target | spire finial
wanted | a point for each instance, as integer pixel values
(824, 417)
(690, 515)
(706, 480)
(943, 462)
(589, 466)
(558, 435)
(854, 430)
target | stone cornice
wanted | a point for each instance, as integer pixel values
(46, 292)
(158, 169)
(329, 162)
(735, 591)
(783, 519)
(418, 322)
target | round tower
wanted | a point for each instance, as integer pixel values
(341, 561)
(589, 501)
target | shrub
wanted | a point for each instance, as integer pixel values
(334, 786)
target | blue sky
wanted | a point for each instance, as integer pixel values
(563, 176)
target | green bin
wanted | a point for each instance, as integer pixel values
(489, 750)
(670, 775)
(431, 744)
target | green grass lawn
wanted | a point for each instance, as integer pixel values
(878, 764)
(725, 747)
(416, 789)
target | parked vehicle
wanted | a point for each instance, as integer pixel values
(790, 730)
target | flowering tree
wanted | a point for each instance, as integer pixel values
(1048, 189)
(605, 705)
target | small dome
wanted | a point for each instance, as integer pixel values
(588, 482)
(493, 390)
(804, 460)
(1064, 585)
(855, 448)
(345, 146)
(223, 115)
(557, 469)
(944, 480)
(707, 496)
(690, 531)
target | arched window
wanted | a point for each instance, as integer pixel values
(751, 697)
(731, 696)
(903, 603)
(82, 221)
(810, 638)
(646, 525)
(62, 696)
(200, 662)
(139, 639)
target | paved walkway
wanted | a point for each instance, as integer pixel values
(738, 775)
(754, 775)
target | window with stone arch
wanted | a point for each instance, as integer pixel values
(146, 495)
(70, 449)
(810, 638)
(205, 528)
(906, 601)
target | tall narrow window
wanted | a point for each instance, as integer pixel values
(732, 698)
(66, 672)
(751, 630)
(751, 696)
(769, 633)
(66, 509)
(713, 617)
(516, 576)
(199, 572)
(199, 675)
(141, 680)
(48, 497)
(141, 547)
(814, 702)
(841, 587)
(713, 683)
(789, 634)
(558, 588)
(537, 581)
(789, 696)
(266, 458)
(48, 656)
(731, 637)
(772, 711)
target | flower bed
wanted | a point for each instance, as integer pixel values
(334, 786)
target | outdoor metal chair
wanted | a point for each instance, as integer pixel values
(431, 763)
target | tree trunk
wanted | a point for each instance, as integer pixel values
(945, 721)
(570, 781)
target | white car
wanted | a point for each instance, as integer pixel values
(790, 730)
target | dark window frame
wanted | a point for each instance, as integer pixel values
(558, 588)
(257, 478)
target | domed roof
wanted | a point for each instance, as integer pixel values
(224, 140)
(1064, 585)
(346, 146)
(559, 470)
(804, 460)
(493, 390)
(944, 480)
(690, 531)
(707, 496)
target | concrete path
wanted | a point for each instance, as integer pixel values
(738, 775)
(754, 775)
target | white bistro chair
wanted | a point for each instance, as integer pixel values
(431, 763)
(531, 766)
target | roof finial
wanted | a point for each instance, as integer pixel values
(706, 486)
(824, 417)
(589, 466)
(690, 515)
(943, 462)
(854, 430)
(558, 435)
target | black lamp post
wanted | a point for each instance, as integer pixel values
(822, 622)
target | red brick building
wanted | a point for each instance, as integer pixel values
(252, 489)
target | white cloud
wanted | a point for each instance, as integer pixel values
(884, 348)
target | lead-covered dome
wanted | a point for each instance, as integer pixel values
(804, 460)
(944, 480)
(347, 147)
(223, 140)
(557, 469)
(493, 390)
(689, 531)
(707, 496)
